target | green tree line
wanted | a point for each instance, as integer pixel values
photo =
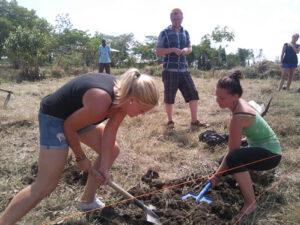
(31, 42)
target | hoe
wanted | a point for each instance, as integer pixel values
(151, 216)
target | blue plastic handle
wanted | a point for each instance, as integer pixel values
(203, 191)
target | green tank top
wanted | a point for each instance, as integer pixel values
(260, 134)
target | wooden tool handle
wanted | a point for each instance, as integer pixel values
(151, 216)
(113, 185)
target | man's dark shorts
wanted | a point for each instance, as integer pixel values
(178, 80)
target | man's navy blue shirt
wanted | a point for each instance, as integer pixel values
(169, 38)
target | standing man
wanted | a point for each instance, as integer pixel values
(174, 44)
(104, 60)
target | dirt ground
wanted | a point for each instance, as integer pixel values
(167, 198)
(171, 209)
(19, 146)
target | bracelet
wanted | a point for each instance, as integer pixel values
(80, 158)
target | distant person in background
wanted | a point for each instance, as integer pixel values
(74, 114)
(289, 61)
(263, 151)
(174, 44)
(104, 57)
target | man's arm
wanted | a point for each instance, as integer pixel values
(187, 50)
(167, 51)
(161, 47)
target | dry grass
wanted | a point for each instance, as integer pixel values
(145, 143)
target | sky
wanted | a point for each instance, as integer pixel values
(256, 24)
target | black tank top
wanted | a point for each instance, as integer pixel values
(290, 56)
(68, 98)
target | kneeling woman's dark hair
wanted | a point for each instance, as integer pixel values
(232, 83)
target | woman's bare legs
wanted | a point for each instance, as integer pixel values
(284, 73)
(92, 138)
(290, 77)
(50, 167)
(245, 184)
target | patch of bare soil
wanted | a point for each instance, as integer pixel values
(171, 209)
(16, 124)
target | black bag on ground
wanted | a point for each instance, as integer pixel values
(212, 138)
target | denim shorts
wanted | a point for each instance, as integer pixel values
(289, 66)
(51, 132)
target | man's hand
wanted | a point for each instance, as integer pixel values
(177, 51)
(184, 51)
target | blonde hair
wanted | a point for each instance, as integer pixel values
(175, 11)
(141, 86)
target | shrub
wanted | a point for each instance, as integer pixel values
(267, 69)
(297, 74)
(250, 73)
(149, 70)
(117, 71)
(200, 73)
(155, 70)
(67, 62)
(57, 72)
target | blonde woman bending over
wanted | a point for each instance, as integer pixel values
(74, 114)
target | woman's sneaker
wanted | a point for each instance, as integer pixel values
(89, 206)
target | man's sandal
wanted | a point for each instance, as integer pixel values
(171, 125)
(197, 123)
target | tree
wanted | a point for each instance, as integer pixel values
(5, 27)
(18, 15)
(70, 44)
(123, 43)
(71, 41)
(244, 55)
(62, 23)
(222, 34)
(259, 57)
(232, 60)
(205, 55)
(12, 16)
(27, 47)
(146, 51)
(90, 52)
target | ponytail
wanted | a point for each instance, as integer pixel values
(236, 75)
(232, 83)
(142, 86)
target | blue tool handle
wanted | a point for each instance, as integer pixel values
(203, 191)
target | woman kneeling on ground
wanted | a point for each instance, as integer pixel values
(74, 114)
(262, 141)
